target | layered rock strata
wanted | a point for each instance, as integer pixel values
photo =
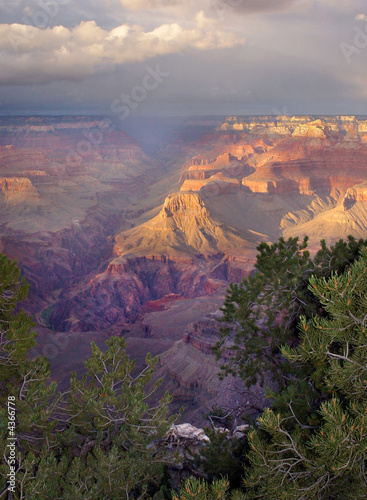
(18, 190)
(107, 235)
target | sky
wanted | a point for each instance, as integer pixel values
(183, 57)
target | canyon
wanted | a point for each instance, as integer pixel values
(118, 241)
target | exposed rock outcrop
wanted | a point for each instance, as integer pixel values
(18, 190)
(118, 295)
(296, 126)
(182, 229)
(189, 441)
(106, 235)
(186, 432)
(355, 193)
(270, 186)
(204, 334)
(313, 129)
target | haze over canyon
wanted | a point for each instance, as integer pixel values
(117, 237)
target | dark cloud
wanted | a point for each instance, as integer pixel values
(213, 5)
(292, 59)
(247, 6)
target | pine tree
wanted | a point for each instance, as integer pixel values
(261, 314)
(100, 439)
(115, 428)
(313, 443)
(201, 490)
(16, 337)
(23, 394)
(223, 456)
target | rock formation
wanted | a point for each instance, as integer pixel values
(18, 190)
(190, 371)
(108, 236)
(183, 229)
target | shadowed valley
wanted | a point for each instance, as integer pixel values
(117, 242)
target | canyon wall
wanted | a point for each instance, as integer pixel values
(105, 234)
(18, 190)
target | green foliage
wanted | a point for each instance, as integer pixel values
(219, 415)
(201, 490)
(223, 457)
(262, 312)
(338, 257)
(15, 336)
(302, 319)
(313, 443)
(253, 309)
(46, 315)
(23, 380)
(114, 426)
(100, 439)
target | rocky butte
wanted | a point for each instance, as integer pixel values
(114, 241)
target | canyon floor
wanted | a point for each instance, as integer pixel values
(140, 235)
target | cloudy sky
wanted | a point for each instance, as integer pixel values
(183, 57)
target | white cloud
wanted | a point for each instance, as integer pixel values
(32, 55)
(361, 17)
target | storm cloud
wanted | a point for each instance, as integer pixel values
(34, 55)
(237, 5)
(223, 56)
